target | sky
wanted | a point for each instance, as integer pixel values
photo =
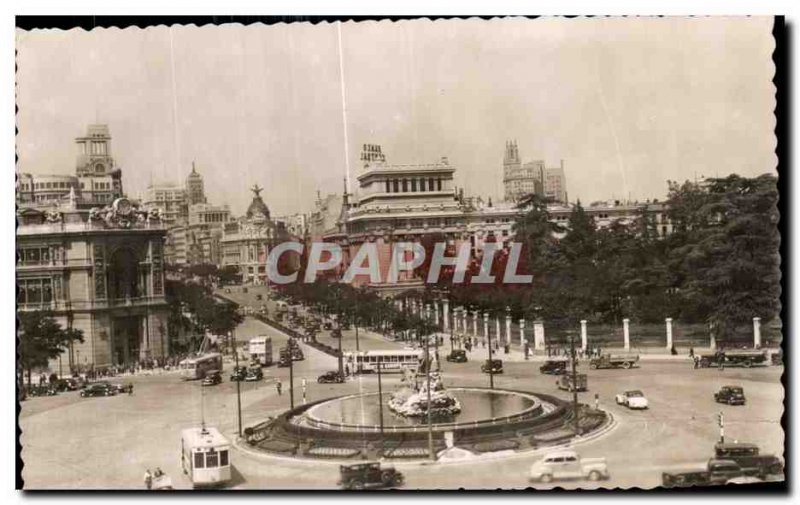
(627, 103)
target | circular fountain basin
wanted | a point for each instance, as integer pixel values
(478, 407)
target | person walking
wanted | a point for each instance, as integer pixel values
(696, 360)
(278, 386)
(130, 389)
(148, 479)
(691, 352)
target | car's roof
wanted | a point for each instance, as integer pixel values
(735, 445)
(634, 391)
(732, 387)
(561, 454)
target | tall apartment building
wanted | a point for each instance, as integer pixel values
(520, 179)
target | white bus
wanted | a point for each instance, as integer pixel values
(197, 368)
(260, 349)
(391, 360)
(205, 456)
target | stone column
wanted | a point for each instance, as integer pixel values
(475, 323)
(446, 314)
(584, 336)
(427, 311)
(756, 332)
(508, 329)
(538, 335)
(669, 333)
(626, 333)
(486, 327)
(522, 332)
(712, 340)
(436, 312)
(498, 336)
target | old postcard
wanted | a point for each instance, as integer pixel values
(419, 254)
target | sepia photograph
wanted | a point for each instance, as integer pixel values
(416, 254)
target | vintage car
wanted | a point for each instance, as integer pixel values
(731, 395)
(716, 472)
(369, 475)
(554, 367)
(568, 465)
(253, 374)
(748, 458)
(98, 389)
(492, 366)
(212, 378)
(743, 358)
(330, 378)
(238, 373)
(566, 382)
(327, 325)
(632, 399)
(457, 356)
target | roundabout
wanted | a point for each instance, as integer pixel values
(360, 427)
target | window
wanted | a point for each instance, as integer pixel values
(413, 185)
(199, 460)
(405, 185)
(439, 184)
(430, 184)
(223, 458)
(388, 186)
(35, 290)
(396, 186)
(422, 184)
(212, 459)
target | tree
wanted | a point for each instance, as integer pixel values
(42, 339)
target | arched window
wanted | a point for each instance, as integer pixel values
(414, 185)
(123, 274)
(396, 185)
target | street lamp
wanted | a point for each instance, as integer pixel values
(573, 360)
(238, 384)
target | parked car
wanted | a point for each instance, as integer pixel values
(457, 356)
(69, 384)
(492, 366)
(98, 389)
(327, 325)
(554, 367)
(254, 373)
(732, 395)
(748, 458)
(777, 358)
(614, 361)
(568, 465)
(716, 472)
(565, 382)
(747, 479)
(212, 378)
(369, 475)
(632, 399)
(238, 373)
(330, 378)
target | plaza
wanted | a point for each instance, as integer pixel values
(109, 442)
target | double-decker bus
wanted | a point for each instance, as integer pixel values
(197, 368)
(260, 349)
(390, 360)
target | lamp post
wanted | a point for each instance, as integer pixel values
(489, 337)
(380, 400)
(573, 359)
(430, 423)
(238, 385)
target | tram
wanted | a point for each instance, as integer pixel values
(205, 456)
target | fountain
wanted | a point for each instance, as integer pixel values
(413, 402)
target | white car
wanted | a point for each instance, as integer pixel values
(568, 465)
(632, 399)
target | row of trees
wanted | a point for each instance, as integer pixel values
(719, 265)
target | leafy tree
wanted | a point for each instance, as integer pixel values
(42, 339)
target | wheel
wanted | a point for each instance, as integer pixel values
(356, 484)
(546, 478)
(594, 475)
(593, 366)
(398, 480)
(387, 478)
(747, 364)
(626, 365)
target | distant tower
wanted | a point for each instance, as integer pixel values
(194, 187)
(101, 180)
(512, 171)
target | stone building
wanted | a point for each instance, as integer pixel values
(100, 272)
(520, 179)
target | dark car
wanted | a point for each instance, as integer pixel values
(100, 389)
(254, 374)
(492, 366)
(732, 395)
(327, 325)
(554, 367)
(748, 458)
(70, 384)
(336, 333)
(238, 373)
(330, 378)
(457, 356)
(369, 475)
(212, 378)
(717, 472)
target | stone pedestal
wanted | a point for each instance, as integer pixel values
(446, 314)
(626, 333)
(486, 327)
(522, 340)
(475, 324)
(508, 329)
(584, 336)
(669, 333)
(756, 332)
(538, 335)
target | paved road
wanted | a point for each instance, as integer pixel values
(71, 442)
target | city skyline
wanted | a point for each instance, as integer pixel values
(641, 114)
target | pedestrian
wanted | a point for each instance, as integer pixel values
(278, 386)
(148, 479)
(130, 389)
(347, 370)
(691, 352)
(696, 360)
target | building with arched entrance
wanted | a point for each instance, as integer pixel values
(99, 271)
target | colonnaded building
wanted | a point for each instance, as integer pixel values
(95, 262)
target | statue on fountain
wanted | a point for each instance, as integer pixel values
(412, 401)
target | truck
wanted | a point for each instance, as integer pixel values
(714, 473)
(614, 361)
(260, 350)
(744, 358)
(748, 458)
(568, 465)
(565, 382)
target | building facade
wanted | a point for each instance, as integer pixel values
(533, 177)
(100, 272)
